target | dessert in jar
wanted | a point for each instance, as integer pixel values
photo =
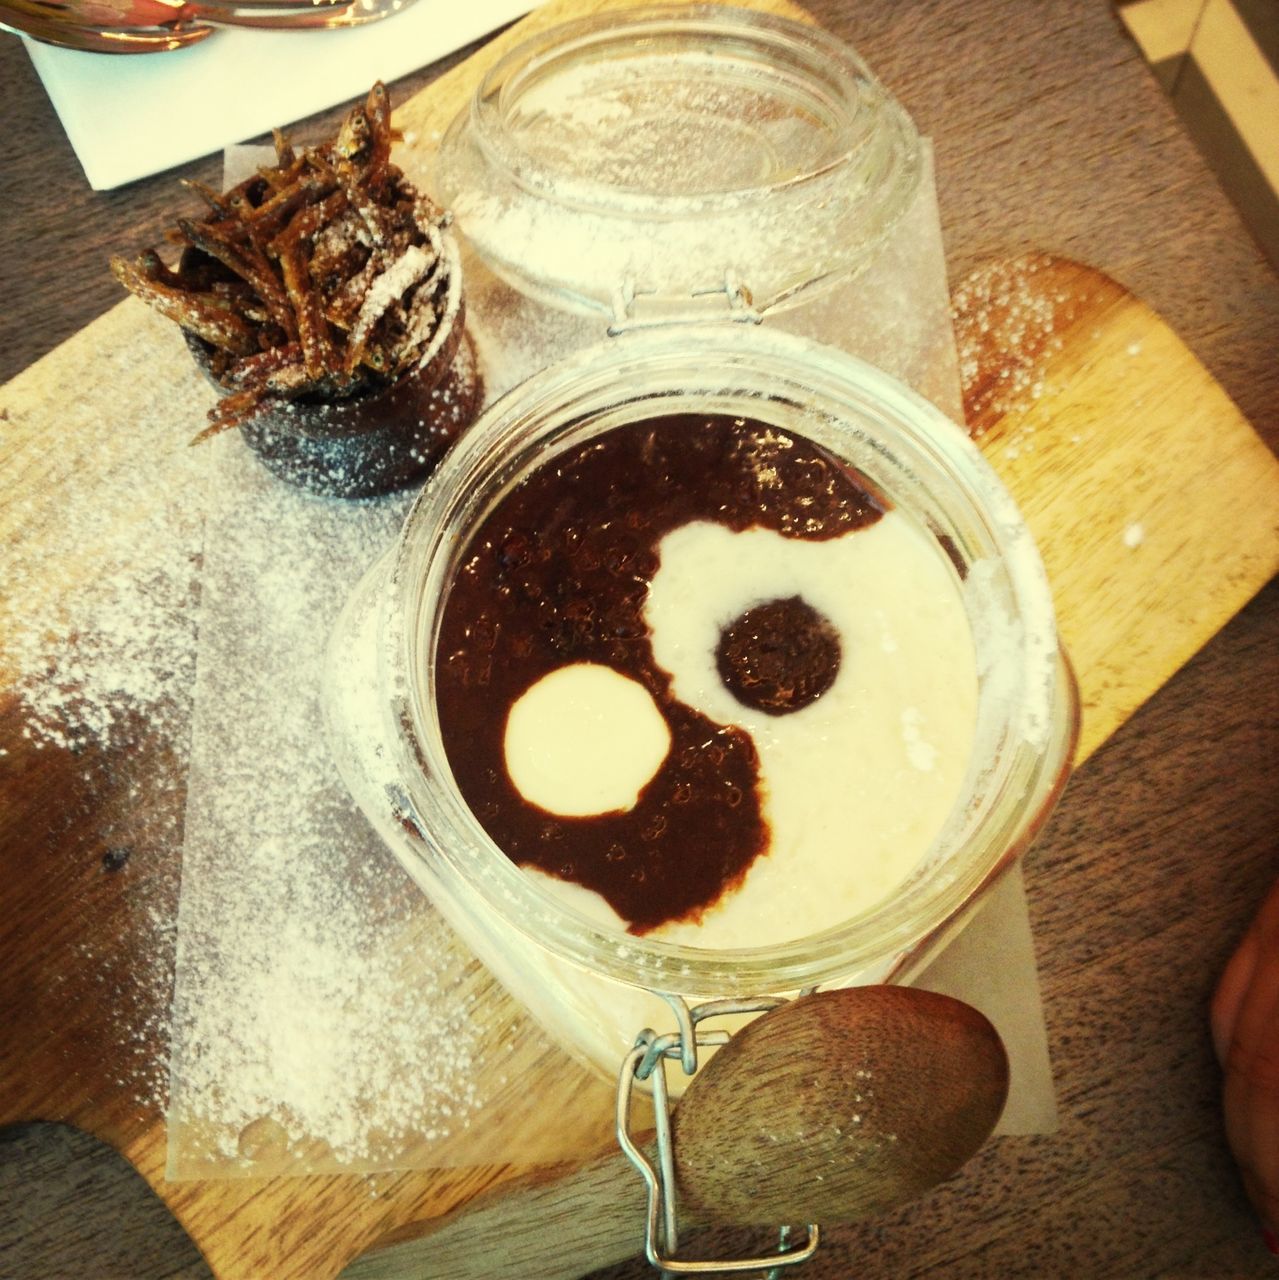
(322, 296)
(615, 549)
(695, 672)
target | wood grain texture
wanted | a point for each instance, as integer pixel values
(1166, 839)
(75, 1175)
(1120, 449)
(875, 1095)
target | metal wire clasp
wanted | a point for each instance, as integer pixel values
(727, 299)
(648, 1060)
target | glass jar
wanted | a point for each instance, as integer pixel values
(593, 986)
(684, 163)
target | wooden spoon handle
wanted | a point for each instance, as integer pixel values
(549, 1225)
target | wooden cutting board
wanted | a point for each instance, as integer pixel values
(1117, 443)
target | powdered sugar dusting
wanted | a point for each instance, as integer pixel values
(1009, 321)
(894, 312)
(921, 753)
(319, 1020)
(99, 561)
(96, 613)
(324, 1017)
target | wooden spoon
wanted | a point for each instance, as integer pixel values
(838, 1106)
(834, 1107)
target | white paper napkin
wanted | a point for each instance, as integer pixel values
(128, 117)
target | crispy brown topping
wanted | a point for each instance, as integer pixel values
(322, 276)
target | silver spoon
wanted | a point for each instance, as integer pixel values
(308, 15)
(50, 26)
(150, 26)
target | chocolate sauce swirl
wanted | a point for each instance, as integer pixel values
(558, 573)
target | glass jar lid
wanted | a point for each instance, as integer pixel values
(675, 162)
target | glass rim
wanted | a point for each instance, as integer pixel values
(841, 69)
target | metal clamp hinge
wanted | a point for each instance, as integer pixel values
(738, 297)
(647, 1060)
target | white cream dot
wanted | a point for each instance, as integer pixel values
(583, 740)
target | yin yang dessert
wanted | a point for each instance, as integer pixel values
(697, 674)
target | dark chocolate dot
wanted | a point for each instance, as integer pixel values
(114, 858)
(779, 656)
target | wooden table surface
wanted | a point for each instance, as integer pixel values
(1049, 134)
